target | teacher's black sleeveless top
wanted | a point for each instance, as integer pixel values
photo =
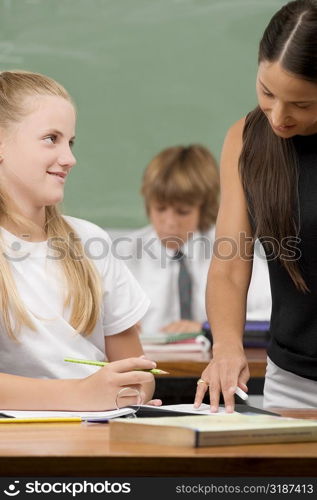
(293, 328)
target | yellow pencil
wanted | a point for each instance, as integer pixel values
(29, 420)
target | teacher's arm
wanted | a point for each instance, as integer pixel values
(228, 281)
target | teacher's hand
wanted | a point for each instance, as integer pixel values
(227, 370)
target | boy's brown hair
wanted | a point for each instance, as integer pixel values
(187, 175)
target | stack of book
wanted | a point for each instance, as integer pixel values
(256, 333)
(181, 342)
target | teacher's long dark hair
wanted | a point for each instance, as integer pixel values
(268, 164)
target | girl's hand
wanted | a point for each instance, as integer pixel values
(154, 402)
(98, 392)
(227, 370)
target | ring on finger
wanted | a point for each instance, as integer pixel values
(202, 381)
(132, 392)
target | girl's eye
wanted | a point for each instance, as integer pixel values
(268, 94)
(50, 139)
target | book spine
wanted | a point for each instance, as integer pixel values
(256, 436)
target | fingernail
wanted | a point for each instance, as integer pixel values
(196, 405)
(229, 409)
(213, 409)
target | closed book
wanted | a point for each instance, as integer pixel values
(194, 345)
(256, 333)
(213, 430)
(182, 342)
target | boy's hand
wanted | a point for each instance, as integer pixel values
(182, 326)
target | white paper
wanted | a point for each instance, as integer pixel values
(85, 416)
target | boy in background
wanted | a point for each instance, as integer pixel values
(170, 257)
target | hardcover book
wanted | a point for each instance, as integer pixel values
(213, 430)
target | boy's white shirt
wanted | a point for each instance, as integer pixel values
(152, 265)
(41, 285)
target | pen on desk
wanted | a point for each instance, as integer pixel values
(154, 371)
(32, 420)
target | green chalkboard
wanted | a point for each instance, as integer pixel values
(145, 74)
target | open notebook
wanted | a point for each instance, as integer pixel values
(91, 416)
(139, 411)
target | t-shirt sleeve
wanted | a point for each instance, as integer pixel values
(124, 301)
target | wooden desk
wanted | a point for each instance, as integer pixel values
(191, 364)
(84, 450)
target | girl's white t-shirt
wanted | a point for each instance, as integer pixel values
(40, 282)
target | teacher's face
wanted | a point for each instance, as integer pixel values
(289, 102)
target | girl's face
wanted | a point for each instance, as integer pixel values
(174, 223)
(36, 155)
(289, 102)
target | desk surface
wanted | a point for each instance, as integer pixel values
(191, 364)
(84, 450)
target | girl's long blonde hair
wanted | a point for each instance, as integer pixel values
(84, 290)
